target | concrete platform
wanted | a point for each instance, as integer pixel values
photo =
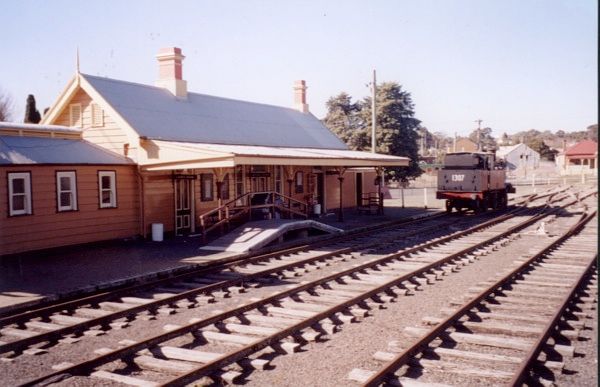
(255, 235)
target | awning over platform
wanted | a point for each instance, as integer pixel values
(187, 155)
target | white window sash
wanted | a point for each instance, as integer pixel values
(26, 177)
(72, 191)
(112, 189)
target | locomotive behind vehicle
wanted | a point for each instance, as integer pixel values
(473, 180)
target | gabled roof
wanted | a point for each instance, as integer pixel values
(154, 113)
(40, 150)
(583, 148)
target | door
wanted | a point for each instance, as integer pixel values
(359, 190)
(183, 206)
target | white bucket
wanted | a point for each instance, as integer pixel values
(157, 232)
(317, 209)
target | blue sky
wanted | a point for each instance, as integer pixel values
(516, 64)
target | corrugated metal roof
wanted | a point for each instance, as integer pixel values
(37, 150)
(49, 128)
(585, 147)
(246, 150)
(504, 150)
(156, 114)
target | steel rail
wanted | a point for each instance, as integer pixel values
(152, 306)
(27, 313)
(418, 347)
(85, 367)
(103, 296)
(186, 295)
(217, 364)
(522, 372)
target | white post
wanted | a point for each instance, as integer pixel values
(564, 181)
(373, 114)
(533, 182)
(425, 197)
(402, 195)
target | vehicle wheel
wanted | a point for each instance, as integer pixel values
(502, 201)
(480, 206)
(448, 206)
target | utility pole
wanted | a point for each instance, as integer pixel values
(479, 121)
(373, 113)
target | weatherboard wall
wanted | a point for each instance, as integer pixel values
(47, 228)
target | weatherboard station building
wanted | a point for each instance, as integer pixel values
(110, 158)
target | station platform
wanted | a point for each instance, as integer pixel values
(254, 235)
(31, 278)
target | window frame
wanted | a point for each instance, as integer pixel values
(28, 210)
(207, 196)
(113, 189)
(72, 175)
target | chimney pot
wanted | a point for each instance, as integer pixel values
(300, 96)
(170, 71)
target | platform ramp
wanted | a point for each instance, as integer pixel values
(257, 234)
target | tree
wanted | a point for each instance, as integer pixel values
(32, 115)
(344, 120)
(486, 141)
(538, 145)
(5, 107)
(593, 132)
(396, 126)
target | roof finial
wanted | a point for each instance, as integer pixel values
(77, 59)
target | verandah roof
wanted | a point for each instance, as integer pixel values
(186, 155)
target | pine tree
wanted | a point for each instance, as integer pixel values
(397, 128)
(344, 120)
(32, 115)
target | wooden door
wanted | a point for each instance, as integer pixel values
(183, 206)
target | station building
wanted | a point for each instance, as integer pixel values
(111, 158)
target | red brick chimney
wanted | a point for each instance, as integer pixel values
(170, 71)
(300, 96)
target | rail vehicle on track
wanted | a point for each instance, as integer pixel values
(473, 180)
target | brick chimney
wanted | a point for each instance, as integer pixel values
(300, 96)
(170, 71)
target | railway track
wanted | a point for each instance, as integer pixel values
(507, 331)
(305, 312)
(116, 309)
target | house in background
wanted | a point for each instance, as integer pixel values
(464, 145)
(581, 158)
(519, 157)
(199, 160)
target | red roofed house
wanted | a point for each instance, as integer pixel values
(581, 158)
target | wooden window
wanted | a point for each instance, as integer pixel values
(206, 187)
(299, 182)
(66, 191)
(97, 116)
(225, 187)
(107, 186)
(19, 193)
(75, 115)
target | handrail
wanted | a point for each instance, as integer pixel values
(223, 220)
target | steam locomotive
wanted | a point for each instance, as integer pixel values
(473, 181)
